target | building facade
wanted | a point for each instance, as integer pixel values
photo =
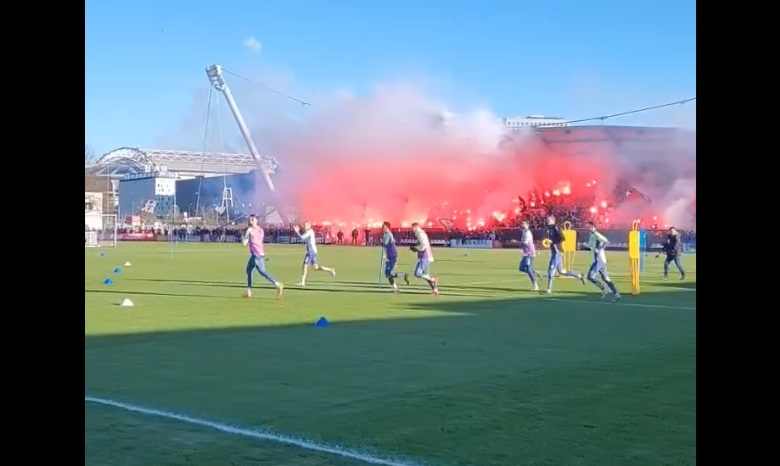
(153, 193)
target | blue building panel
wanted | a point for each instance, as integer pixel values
(198, 195)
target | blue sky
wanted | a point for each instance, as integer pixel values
(145, 60)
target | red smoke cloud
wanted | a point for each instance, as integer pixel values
(392, 157)
(429, 183)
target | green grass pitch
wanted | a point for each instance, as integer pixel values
(486, 374)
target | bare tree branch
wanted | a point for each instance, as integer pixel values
(89, 154)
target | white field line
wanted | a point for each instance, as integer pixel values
(257, 434)
(680, 288)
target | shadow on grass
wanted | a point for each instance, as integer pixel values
(546, 373)
(678, 284)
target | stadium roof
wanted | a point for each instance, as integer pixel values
(599, 133)
(629, 140)
(614, 134)
(130, 161)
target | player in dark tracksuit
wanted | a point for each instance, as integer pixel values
(391, 258)
(673, 250)
(555, 235)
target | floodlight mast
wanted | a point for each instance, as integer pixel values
(214, 72)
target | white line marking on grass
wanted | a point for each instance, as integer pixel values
(621, 303)
(257, 434)
(680, 288)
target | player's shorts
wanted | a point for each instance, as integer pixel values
(390, 266)
(310, 259)
(526, 264)
(256, 261)
(422, 268)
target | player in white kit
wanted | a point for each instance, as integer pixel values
(598, 244)
(310, 243)
(424, 258)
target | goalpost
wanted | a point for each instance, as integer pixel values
(100, 231)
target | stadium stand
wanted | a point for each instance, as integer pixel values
(130, 161)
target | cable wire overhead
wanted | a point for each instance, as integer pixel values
(601, 118)
(266, 87)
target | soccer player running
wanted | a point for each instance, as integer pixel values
(391, 258)
(253, 237)
(529, 252)
(555, 235)
(673, 250)
(424, 258)
(598, 244)
(310, 243)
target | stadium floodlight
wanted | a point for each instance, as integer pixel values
(214, 72)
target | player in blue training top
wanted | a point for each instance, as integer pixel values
(555, 235)
(598, 244)
(391, 258)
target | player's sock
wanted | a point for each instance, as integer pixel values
(531, 275)
(612, 288)
(391, 279)
(431, 282)
(598, 284)
(573, 274)
(550, 277)
(267, 276)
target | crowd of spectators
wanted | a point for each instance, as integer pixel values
(362, 236)
(564, 208)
